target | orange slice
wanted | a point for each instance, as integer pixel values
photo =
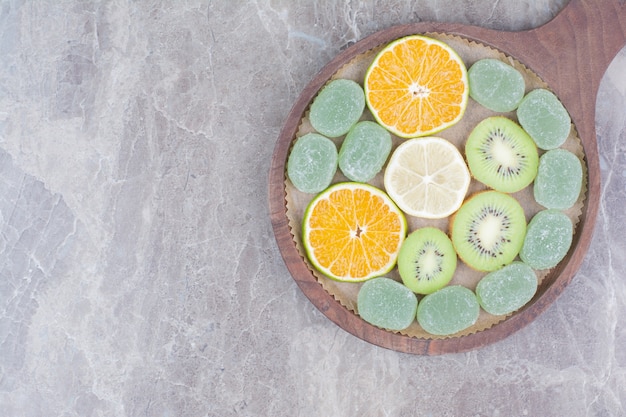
(353, 232)
(417, 86)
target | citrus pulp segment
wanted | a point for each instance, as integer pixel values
(417, 86)
(427, 177)
(353, 232)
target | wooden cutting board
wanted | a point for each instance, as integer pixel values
(571, 54)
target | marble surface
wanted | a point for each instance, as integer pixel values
(139, 275)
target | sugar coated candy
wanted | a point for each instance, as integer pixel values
(545, 119)
(364, 151)
(386, 303)
(337, 107)
(448, 310)
(496, 85)
(559, 179)
(508, 289)
(312, 163)
(548, 238)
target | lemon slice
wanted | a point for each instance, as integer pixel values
(427, 177)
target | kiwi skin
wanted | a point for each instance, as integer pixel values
(475, 244)
(501, 155)
(427, 260)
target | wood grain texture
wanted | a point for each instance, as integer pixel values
(571, 54)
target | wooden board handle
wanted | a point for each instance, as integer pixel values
(585, 30)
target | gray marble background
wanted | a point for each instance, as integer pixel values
(139, 275)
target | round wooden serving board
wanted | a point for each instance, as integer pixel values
(570, 54)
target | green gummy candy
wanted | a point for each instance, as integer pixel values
(312, 163)
(337, 107)
(448, 310)
(559, 179)
(548, 238)
(364, 151)
(507, 289)
(545, 119)
(496, 85)
(386, 303)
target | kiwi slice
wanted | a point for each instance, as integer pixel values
(427, 260)
(501, 155)
(488, 230)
